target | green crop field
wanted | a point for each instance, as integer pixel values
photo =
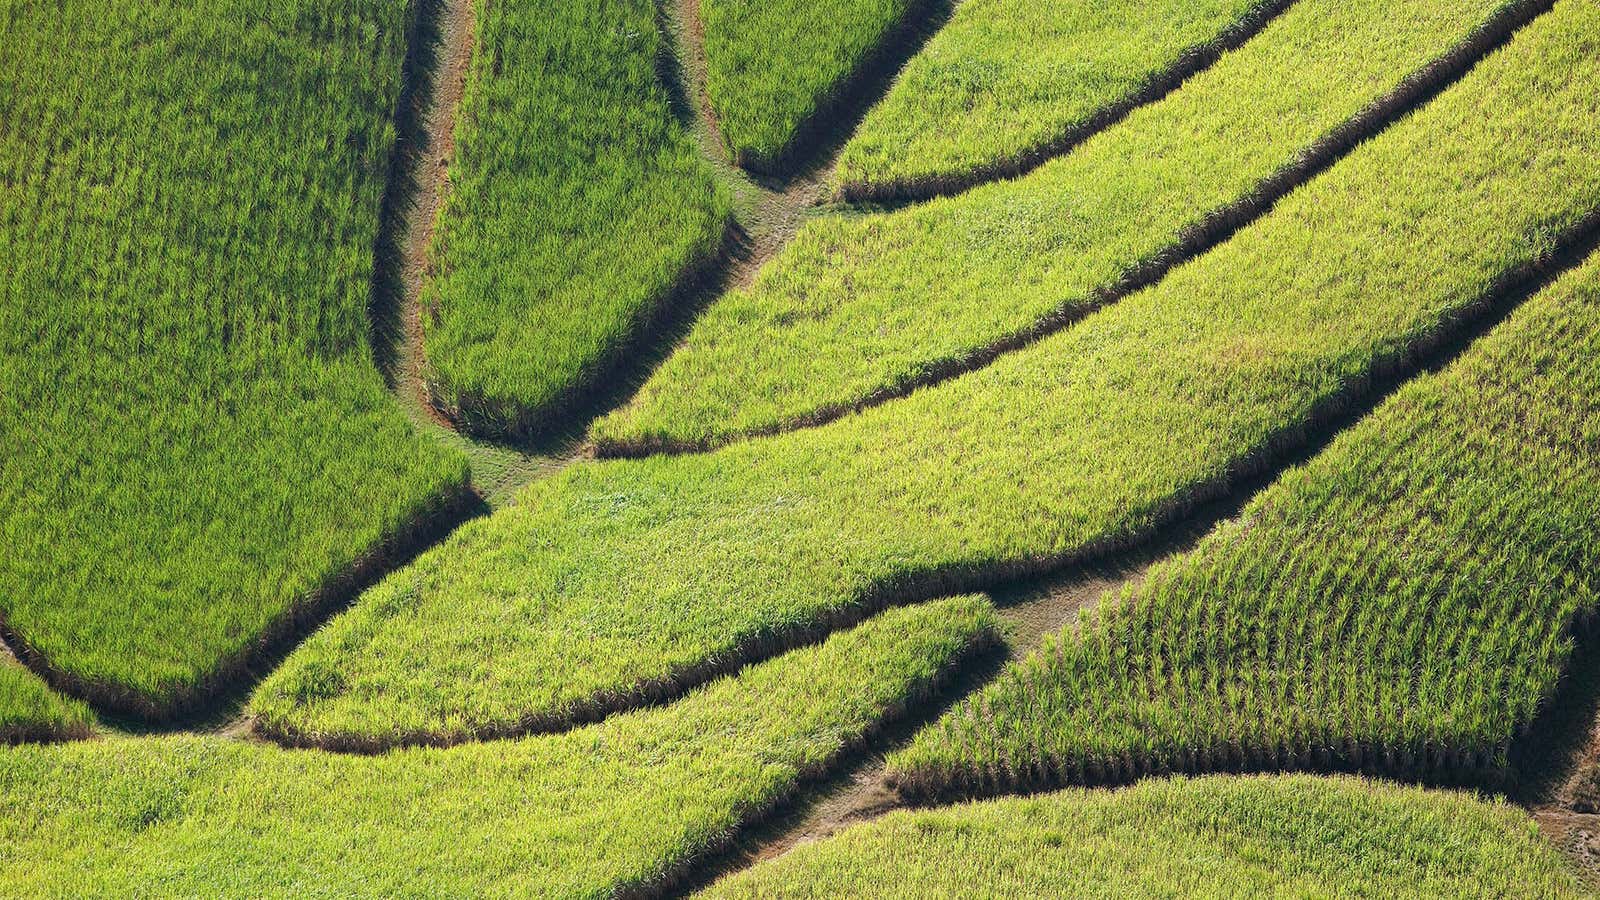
(623, 580)
(772, 68)
(858, 308)
(1406, 601)
(643, 448)
(587, 813)
(568, 153)
(197, 448)
(30, 711)
(1219, 836)
(1008, 82)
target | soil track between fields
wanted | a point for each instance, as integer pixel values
(1411, 94)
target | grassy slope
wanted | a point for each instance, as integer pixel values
(1241, 836)
(1405, 600)
(579, 202)
(30, 711)
(583, 813)
(1006, 79)
(771, 67)
(861, 305)
(614, 575)
(193, 438)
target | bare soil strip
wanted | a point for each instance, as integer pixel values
(1192, 62)
(1414, 92)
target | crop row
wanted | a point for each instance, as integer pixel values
(1009, 82)
(594, 812)
(861, 308)
(579, 208)
(1286, 836)
(195, 447)
(30, 711)
(774, 70)
(618, 581)
(1404, 603)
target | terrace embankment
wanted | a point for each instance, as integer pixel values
(1159, 85)
(1216, 228)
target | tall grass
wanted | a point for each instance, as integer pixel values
(1405, 602)
(774, 68)
(1285, 836)
(1007, 81)
(621, 580)
(863, 307)
(594, 812)
(30, 711)
(194, 444)
(578, 203)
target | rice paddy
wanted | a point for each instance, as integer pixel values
(861, 308)
(1406, 602)
(592, 812)
(618, 582)
(1291, 836)
(568, 149)
(1007, 82)
(197, 450)
(1280, 318)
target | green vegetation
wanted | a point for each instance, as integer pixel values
(1291, 836)
(618, 580)
(1009, 82)
(30, 711)
(591, 812)
(771, 68)
(863, 307)
(579, 203)
(1404, 602)
(195, 446)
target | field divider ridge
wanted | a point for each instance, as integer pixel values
(1191, 62)
(1414, 92)
(1243, 477)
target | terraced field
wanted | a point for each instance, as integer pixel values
(631, 448)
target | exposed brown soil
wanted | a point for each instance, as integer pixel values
(419, 183)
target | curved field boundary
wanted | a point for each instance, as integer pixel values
(1447, 528)
(30, 712)
(817, 136)
(648, 794)
(1192, 61)
(1414, 92)
(625, 573)
(235, 675)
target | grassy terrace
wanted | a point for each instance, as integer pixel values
(1404, 602)
(1251, 836)
(773, 68)
(1007, 82)
(195, 444)
(623, 579)
(30, 711)
(863, 307)
(568, 151)
(590, 812)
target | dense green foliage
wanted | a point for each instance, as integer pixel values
(1007, 80)
(616, 579)
(1286, 836)
(587, 813)
(771, 67)
(1404, 601)
(193, 438)
(30, 711)
(858, 307)
(579, 202)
